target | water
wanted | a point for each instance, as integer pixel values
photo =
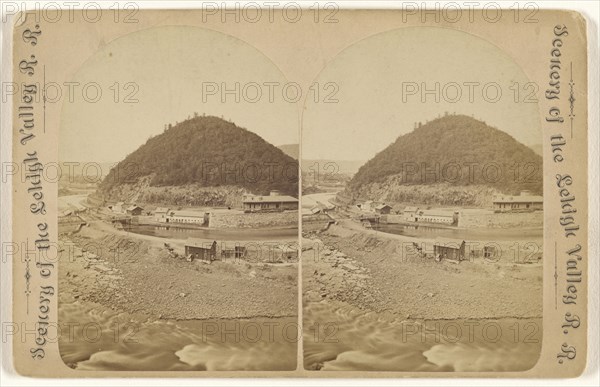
(215, 234)
(96, 338)
(350, 339)
(432, 232)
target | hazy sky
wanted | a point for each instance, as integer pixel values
(170, 65)
(375, 75)
(369, 79)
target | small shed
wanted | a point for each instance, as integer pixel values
(383, 209)
(235, 252)
(446, 248)
(134, 210)
(199, 252)
(410, 213)
(160, 214)
(490, 252)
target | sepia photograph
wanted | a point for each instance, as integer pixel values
(422, 210)
(180, 218)
(298, 191)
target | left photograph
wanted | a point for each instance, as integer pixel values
(179, 214)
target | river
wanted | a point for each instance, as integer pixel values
(95, 338)
(350, 339)
(483, 234)
(250, 234)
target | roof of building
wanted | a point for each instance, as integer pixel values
(519, 199)
(161, 210)
(438, 213)
(187, 213)
(448, 242)
(205, 247)
(201, 244)
(382, 206)
(270, 199)
(411, 209)
(133, 207)
(226, 247)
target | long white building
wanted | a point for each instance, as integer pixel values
(165, 215)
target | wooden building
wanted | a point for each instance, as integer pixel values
(199, 252)
(438, 216)
(410, 213)
(271, 203)
(235, 252)
(490, 252)
(383, 209)
(134, 210)
(445, 248)
(160, 214)
(187, 216)
(524, 202)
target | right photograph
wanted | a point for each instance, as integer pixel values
(422, 208)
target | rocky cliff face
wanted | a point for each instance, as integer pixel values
(189, 195)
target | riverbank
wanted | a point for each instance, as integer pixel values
(136, 274)
(371, 271)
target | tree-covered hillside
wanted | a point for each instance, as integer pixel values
(457, 150)
(208, 152)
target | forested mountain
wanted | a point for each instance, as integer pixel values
(207, 152)
(456, 151)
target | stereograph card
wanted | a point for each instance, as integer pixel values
(299, 192)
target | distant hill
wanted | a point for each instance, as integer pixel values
(203, 152)
(452, 151)
(292, 150)
(84, 172)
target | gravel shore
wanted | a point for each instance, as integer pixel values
(367, 271)
(136, 274)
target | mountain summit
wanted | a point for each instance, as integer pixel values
(454, 151)
(207, 151)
